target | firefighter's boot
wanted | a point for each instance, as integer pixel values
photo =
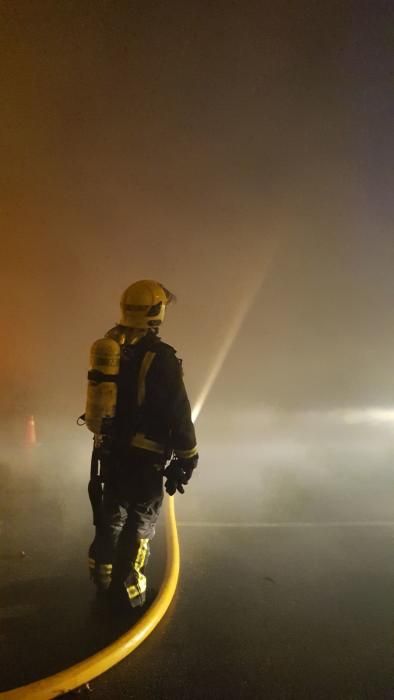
(100, 573)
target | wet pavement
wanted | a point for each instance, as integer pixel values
(286, 608)
(276, 613)
(50, 616)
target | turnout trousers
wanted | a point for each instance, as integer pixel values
(118, 555)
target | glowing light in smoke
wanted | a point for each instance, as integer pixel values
(369, 415)
(269, 417)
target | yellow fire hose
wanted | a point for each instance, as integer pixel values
(95, 665)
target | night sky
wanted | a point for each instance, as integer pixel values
(218, 147)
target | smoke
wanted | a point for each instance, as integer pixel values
(124, 158)
(275, 466)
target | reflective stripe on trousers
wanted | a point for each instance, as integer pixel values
(101, 571)
(138, 587)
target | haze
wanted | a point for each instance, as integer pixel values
(242, 156)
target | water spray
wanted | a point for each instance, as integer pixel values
(229, 341)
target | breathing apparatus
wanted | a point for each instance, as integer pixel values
(143, 306)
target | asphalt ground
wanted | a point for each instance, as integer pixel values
(290, 596)
(50, 616)
(276, 613)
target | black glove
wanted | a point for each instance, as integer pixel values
(179, 473)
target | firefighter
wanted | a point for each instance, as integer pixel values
(150, 426)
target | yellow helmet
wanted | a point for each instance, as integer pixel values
(143, 304)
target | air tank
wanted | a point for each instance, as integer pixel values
(102, 385)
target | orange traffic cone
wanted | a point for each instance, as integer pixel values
(31, 437)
